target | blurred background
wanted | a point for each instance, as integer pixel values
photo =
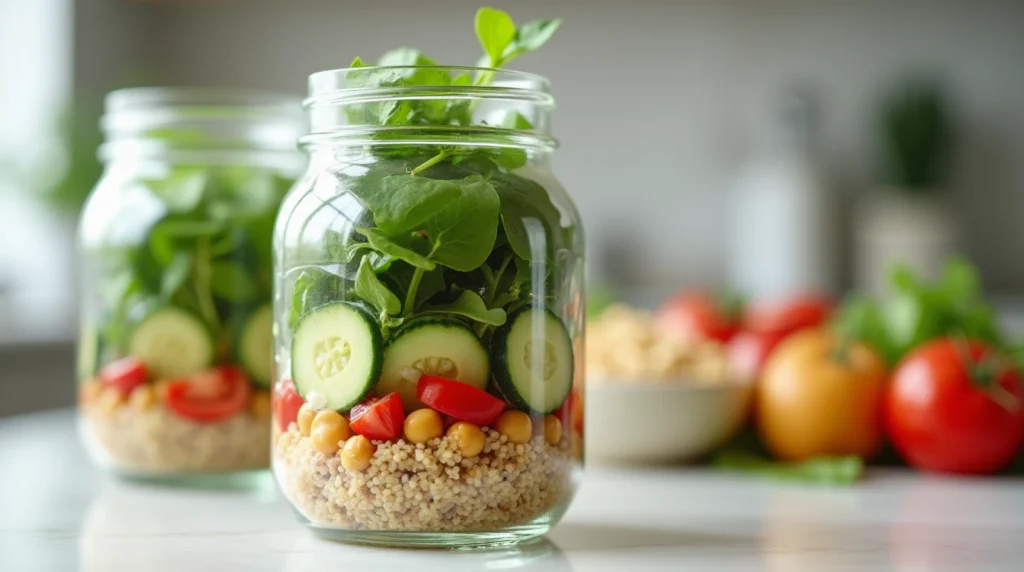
(761, 146)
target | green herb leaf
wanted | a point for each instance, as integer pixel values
(370, 289)
(516, 120)
(822, 470)
(496, 31)
(382, 243)
(531, 36)
(175, 274)
(232, 282)
(529, 218)
(402, 202)
(469, 305)
(181, 190)
(462, 235)
(313, 287)
(399, 276)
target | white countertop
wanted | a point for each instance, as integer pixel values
(57, 513)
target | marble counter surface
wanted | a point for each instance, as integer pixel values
(57, 513)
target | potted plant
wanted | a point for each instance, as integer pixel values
(907, 219)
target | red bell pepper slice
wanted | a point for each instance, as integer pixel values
(378, 418)
(461, 401)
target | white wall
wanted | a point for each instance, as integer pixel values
(657, 100)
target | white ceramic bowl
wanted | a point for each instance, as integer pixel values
(660, 423)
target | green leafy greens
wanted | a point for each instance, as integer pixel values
(452, 229)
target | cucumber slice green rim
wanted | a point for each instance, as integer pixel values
(254, 347)
(534, 381)
(172, 342)
(337, 351)
(433, 346)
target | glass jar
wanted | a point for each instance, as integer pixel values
(175, 354)
(429, 312)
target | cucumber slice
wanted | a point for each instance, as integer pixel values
(172, 343)
(254, 347)
(337, 352)
(434, 346)
(534, 381)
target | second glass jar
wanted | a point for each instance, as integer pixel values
(429, 313)
(175, 350)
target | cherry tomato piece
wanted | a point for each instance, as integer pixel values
(378, 418)
(124, 374)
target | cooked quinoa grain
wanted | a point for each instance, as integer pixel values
(154, 441)
(427, 486)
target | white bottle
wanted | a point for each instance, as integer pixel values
(782, 227)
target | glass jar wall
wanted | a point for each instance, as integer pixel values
(429, 313)
(176, 321)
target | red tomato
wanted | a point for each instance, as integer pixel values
(788, 316)
(211, 396)
(695, 315)
(571, 412)
(945, 413)
(748, 352)
(379, 419)
(287, 403)
(461, 401)
(124, 374)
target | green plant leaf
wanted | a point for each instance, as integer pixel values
(232, 282)
(531, 36)
(496, 31)
(469, 305)
(175, 275)
(821, 470)
(313, 287)
(402, 202)
(462, 234)
(516, 120)
(527, 215)
(374, 292)
(399, 275)
(382, 243)
(181, 190)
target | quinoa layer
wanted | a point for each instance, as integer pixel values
(429, 488)
(156, 442)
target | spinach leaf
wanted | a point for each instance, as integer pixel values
(181, 190)
(462, 234)
(313, 287)
(402, 202)
(530, 37)
(175, 275)
(385, 245)
(469, 305)
(232, 282)
(528, 216)
(399, 276)
(375, 293)
(496, 32)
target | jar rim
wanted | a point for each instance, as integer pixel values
(155, 120)
(328, 81)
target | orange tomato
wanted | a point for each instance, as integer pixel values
(817, 398)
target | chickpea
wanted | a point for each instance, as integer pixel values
(357, 453)
(110, 400)
(305, 419)
(515, 425)
(552, 429)
(469, 438)
(423, 425)
(328, 429)
(259, 405)
(90, 391)
(143, 397)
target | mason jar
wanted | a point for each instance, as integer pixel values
(175, 347)
(429, 311)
